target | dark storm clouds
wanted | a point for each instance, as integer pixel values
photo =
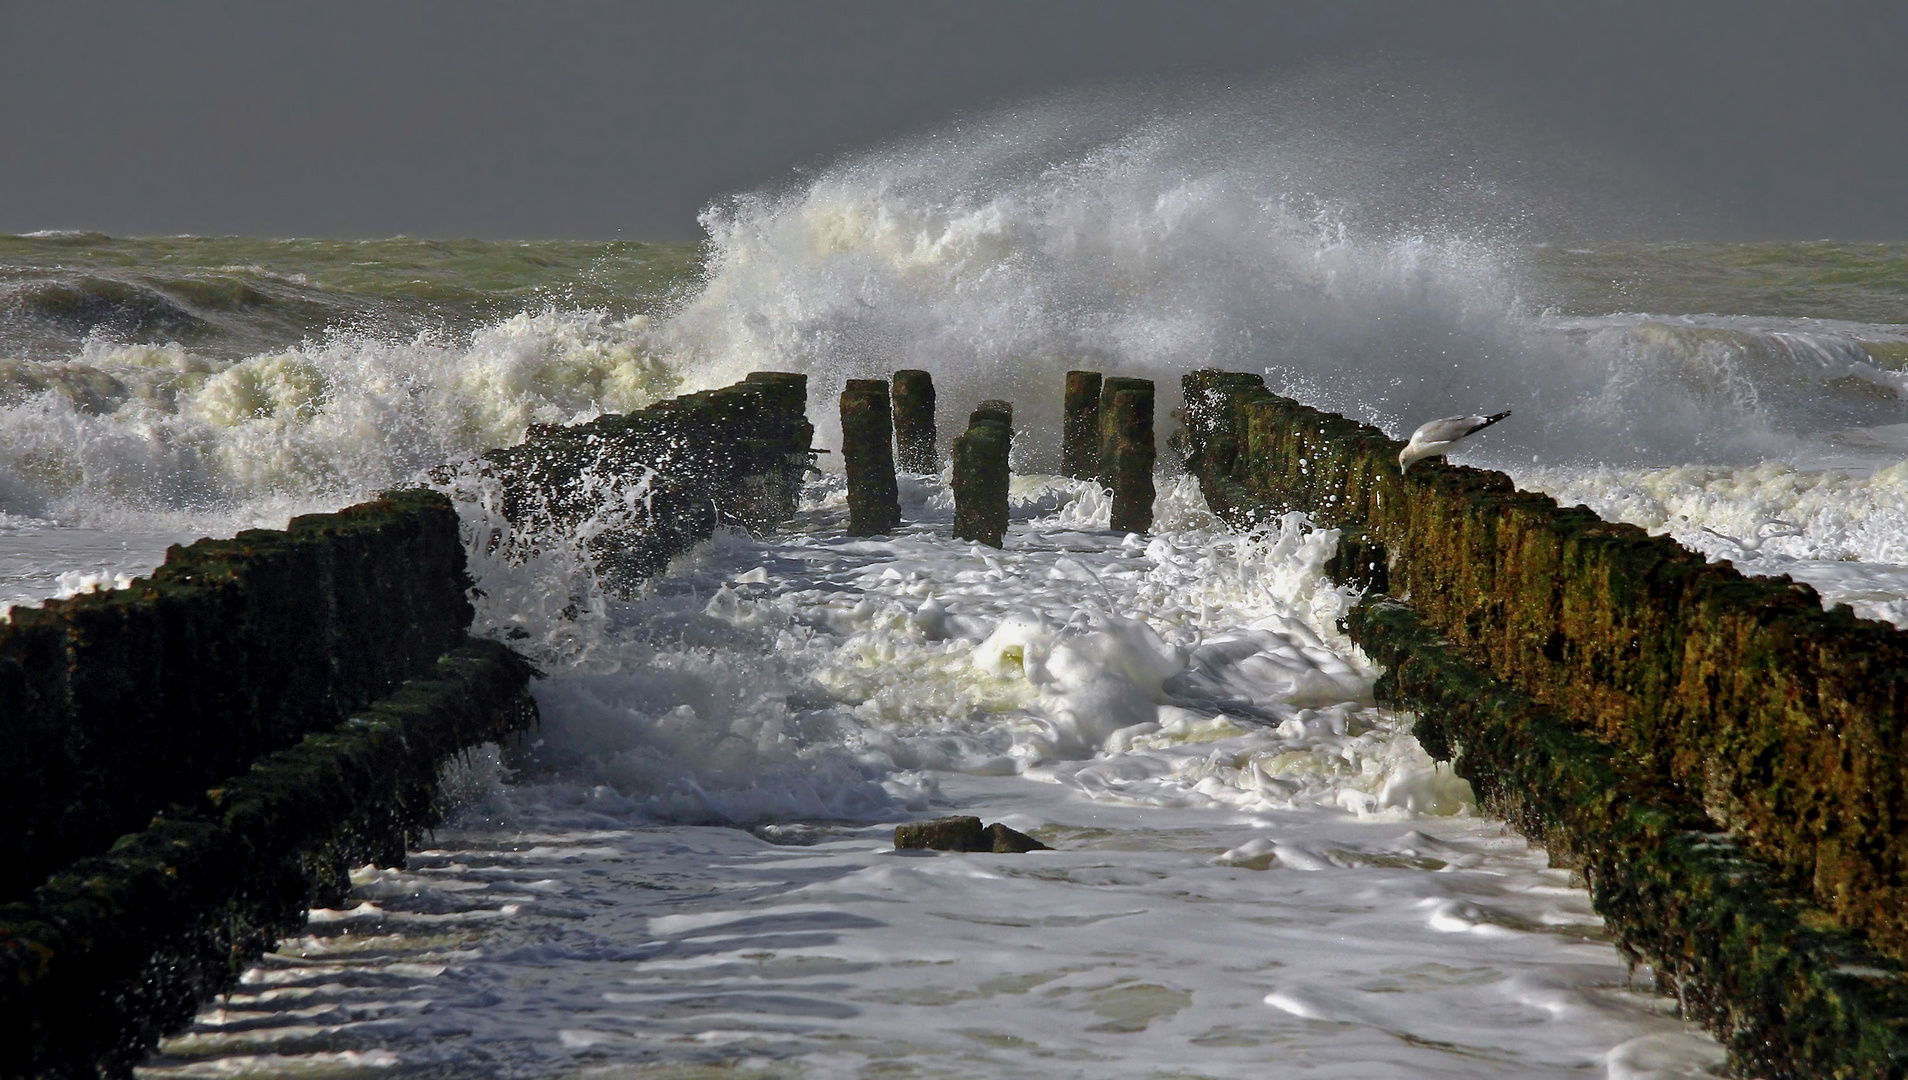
(597, 120)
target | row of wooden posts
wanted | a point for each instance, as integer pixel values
(1107, 435)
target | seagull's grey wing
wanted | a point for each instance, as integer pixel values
(1453, 428)
(1449, 429)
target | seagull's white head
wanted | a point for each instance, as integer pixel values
(1413, 452)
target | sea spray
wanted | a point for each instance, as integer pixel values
(1369, 269)
(1379, 245)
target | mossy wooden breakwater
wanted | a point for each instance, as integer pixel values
(640, 488)
(1732, 785)
(1789, 993)
(193, 761)
(980, 476)
(914, 435)
(118, 948)
(196, 760)
(115, 704)
(867, 457)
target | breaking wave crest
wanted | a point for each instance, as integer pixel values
(168, 437)
(1373, 261)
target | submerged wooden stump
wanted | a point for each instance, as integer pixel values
(914, 422)
(1130, 453)
(1080, 426)
(867, 435)
(980, 474)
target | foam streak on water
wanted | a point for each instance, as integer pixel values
(1256, 869)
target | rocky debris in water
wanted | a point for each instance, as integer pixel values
(1006, 841)
(964, 833)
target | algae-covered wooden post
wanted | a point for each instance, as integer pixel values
(867, 435)
(1130, 453)
(914, 422)
(980, 474)
(1110, 386)
(1080, 427)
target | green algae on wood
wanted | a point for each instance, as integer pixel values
(1110, 386)
(115, 704)
(1080, 426)
(1781, 722)
(646, 486)
(981, 477)
(123, 946)
(1787, 993)
(914, 435)
(867, 437)
(1130, 464)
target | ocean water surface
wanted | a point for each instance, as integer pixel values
(688, 871)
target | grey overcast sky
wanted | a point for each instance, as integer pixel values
(602, 120)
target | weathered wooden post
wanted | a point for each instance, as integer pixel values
(1004, 408)
(914, 422)
(867, 435)
(980, 474)
(1126, 421)
(1080, 427)
(1109, 386)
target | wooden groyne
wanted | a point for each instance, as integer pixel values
(637, 489)
(115, 704)
(191, 763)
(195, 760)
(1721, 758)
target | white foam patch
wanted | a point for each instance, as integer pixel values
(1252, 861)
(826, 677)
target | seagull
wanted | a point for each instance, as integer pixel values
(1758, 537)
(1436, 438)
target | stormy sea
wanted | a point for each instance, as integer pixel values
(688, 872)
